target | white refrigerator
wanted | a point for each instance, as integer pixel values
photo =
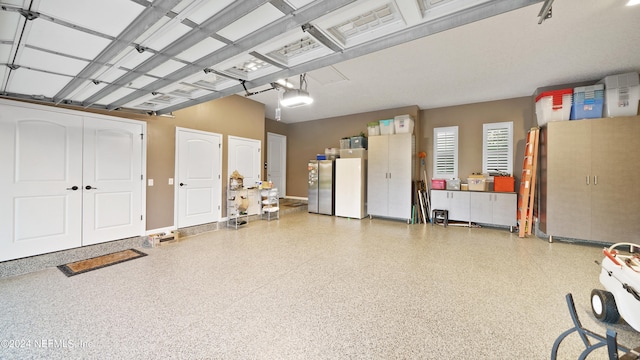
(351, 188)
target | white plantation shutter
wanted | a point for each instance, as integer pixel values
(497, 147)
(445, 152)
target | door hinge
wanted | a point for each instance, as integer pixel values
(219, 146)
(141, 177)
(141, 217)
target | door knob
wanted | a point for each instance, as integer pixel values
(74, 188)
(88, 187)
(183, 184)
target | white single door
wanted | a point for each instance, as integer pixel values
(198, 177)
(41, 180)
(244, 157)
(112, 180)
(277, 162)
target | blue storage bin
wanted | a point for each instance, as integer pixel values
(588, 102)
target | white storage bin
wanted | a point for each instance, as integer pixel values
(621, 96)
(387, 127)
(554, 106)
(403, 124)
(373, 128)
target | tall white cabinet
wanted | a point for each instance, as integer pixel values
(390, 175)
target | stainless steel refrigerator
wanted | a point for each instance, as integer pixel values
(321, 186)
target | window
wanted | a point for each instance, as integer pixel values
(497, 147)
(445, 152)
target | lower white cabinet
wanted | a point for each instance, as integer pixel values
(481, 207)
(494, 208)
(455, 202)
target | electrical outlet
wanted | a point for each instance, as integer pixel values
(150, 182)
(170, 181)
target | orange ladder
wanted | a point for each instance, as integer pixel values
(528, 183)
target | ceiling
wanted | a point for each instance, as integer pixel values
(359, 55)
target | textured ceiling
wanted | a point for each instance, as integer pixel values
(360, 56)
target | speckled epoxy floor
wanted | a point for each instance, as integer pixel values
(313, 287)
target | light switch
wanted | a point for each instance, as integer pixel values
(170, 181)
(150, 182)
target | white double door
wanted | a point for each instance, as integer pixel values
(68, 180)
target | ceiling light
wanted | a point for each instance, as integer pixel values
(633, 2)
(295, 97)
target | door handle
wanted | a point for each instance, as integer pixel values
(595, 179)
(587, 179)
(183, 184)
(88, 187)
(74, 188)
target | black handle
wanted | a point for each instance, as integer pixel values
(74, 188)
(88, 187)
(183, 184)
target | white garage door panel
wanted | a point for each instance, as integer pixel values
(40, 217)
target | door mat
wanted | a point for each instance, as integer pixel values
(100, 262)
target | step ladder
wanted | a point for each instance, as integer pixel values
(526, 195)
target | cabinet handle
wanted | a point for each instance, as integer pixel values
(595, 179)
(587, 179)
(89, 187)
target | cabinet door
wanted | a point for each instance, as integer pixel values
(377, 175)
(400, 176)
(615, 174)
(504, 209)
(481, 207)
(440, 200)
(460, 205)
(568, 179)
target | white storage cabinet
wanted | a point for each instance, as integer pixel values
(455, 202)
(390, 175)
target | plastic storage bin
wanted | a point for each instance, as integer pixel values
(622, 93)
(588, 102)
(358, 142)
(453, 184)
(553, 106)
(387, 127)
(353, 153)
(477, 183)
(345, 143)
(373, 128)
(403, 124)
(503, 183)
(438, 184)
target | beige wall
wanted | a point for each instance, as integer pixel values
(307, 139)
(239, 116)
(232, 115)
(469, 119)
